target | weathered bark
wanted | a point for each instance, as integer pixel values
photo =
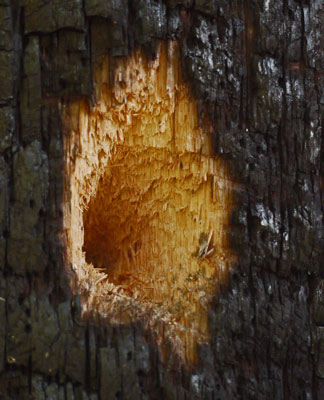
(257, 68)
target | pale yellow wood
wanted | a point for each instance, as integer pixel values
(146, 201)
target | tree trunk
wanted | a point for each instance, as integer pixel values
(226, 236)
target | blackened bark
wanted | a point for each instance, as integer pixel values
(258, 68)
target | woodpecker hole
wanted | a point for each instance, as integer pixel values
(146, 203)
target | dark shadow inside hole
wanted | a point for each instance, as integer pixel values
(112, 226)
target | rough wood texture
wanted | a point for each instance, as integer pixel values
(257, 68)
(146, 202)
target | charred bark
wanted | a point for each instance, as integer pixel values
(256, 68)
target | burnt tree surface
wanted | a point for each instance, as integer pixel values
(257, 67)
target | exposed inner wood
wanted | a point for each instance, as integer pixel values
(147, 205)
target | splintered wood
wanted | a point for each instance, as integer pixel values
(146, 204)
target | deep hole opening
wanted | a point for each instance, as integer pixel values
(140, 228)
(149, 209)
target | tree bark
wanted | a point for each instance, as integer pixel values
(257, 69)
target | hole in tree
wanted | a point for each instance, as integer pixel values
(150, 236)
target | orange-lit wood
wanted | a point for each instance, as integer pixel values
(146, 204)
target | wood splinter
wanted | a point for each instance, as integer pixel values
(204, 250)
